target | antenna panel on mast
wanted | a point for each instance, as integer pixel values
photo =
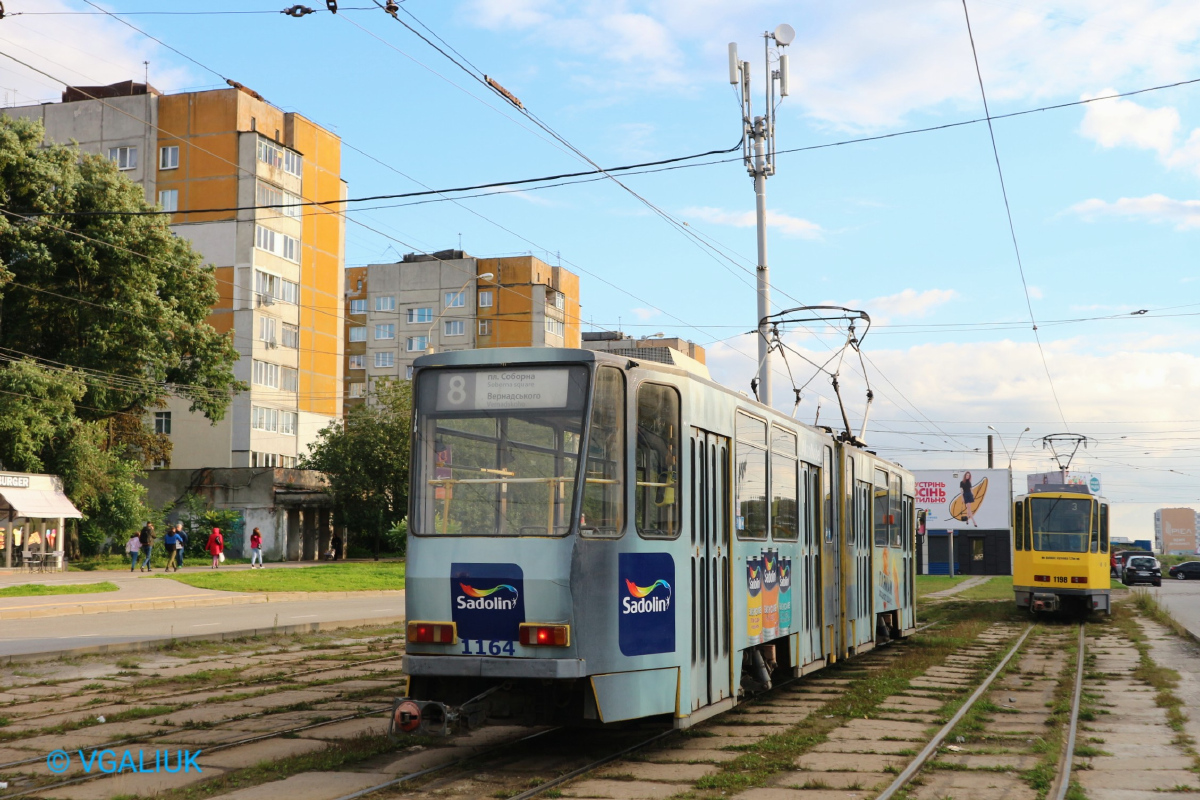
(734, 64)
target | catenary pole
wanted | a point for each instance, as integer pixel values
(763, 272)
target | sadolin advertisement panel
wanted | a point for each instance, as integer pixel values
(964, 499)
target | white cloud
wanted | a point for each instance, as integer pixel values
(1124, 123)
(910, 302)
(784, 223)
(80, 50)
(868, 64)
(1183, 214)
(646, 314)
(1035, 293)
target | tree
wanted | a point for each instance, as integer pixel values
(365, 460)
(103, 316)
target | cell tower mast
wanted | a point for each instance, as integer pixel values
(758, 152)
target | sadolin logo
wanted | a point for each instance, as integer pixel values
(646, 607)
(482, 598)
(755, 579)
(640, 601)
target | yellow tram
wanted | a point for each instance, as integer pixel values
(1060, 541)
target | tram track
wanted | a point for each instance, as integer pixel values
(1067, 762)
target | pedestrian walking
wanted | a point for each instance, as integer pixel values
(133, 549)
(256, 549)
(216, 547)
(171, 546)
(183, 543)
(146, 538)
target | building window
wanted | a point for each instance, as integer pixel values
(387, 331)
(168, 199)
(267, 195)
(291, 248)
(266, 374)
(485, 327)
(270, 288)
(385, 303)
(123, 157)
(279, 244)
(291, 336)
(358, 390)
(417, 344)
(264, 419)
(385, 360)
(266, 329)
(485, 298)
(275, 156)
(408, 372)
(168, 157)
(454, 327)
(264, 239)
(287, 422)
(289, 380)
(556, 299)
(455, 299)
(358, 362)
(420, 315)
(554, 326)
(162, 422)
(358, 306)
(358, 333)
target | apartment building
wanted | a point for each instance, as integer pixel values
(451, 301)
(279, 271)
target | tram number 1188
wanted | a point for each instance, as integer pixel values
(488, 647)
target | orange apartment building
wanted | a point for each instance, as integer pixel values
(452, 301)
(279, 271)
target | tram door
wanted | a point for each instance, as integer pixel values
(710, 516)
(811, 543)
(831, 557)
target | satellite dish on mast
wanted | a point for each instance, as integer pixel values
(784, 35)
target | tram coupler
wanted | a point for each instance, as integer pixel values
(1043, 601)
(435, 718)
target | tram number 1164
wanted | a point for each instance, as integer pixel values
(488, 647)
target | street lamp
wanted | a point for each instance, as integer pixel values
(1006, 450)
(429, 348)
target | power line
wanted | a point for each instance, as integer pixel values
(1008, 211)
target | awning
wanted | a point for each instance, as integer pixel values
(33, 503)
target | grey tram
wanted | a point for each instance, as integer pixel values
(594, 537)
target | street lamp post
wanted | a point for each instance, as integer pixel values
(429, 348)
(1010, 455)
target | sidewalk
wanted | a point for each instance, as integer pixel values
(138, 591)
(953, 590)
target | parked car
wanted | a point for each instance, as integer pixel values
(1188, 569)
(1117, 560)
(1142, 569)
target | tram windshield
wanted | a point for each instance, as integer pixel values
(498, 450)
(1060, 524)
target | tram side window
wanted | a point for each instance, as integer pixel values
(1019, 525)
(751, 476)
(1095, 538)
(895, 512)
(785, 499)
(827, 509)
(604, 483)
(812, 504)
(880, 495)
(658, 447)
(1104, 527)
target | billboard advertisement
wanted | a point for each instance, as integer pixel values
(1089, 480)
(963, 499)
(1178, 530)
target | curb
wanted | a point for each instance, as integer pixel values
(154, 604)
(157, 644)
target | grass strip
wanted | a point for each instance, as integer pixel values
(356, 577)
(46, 590)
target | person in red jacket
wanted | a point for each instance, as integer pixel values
(215, 546)
(256, 549)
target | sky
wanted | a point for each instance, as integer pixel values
(913, 229)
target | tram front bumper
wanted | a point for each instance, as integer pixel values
(485, 667)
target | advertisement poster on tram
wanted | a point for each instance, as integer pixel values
(1090, 480)
(964, 499)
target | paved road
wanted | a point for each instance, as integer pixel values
(1182, 599)
(60, 633)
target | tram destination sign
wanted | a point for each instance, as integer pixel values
(14, 481)
(493, 390)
